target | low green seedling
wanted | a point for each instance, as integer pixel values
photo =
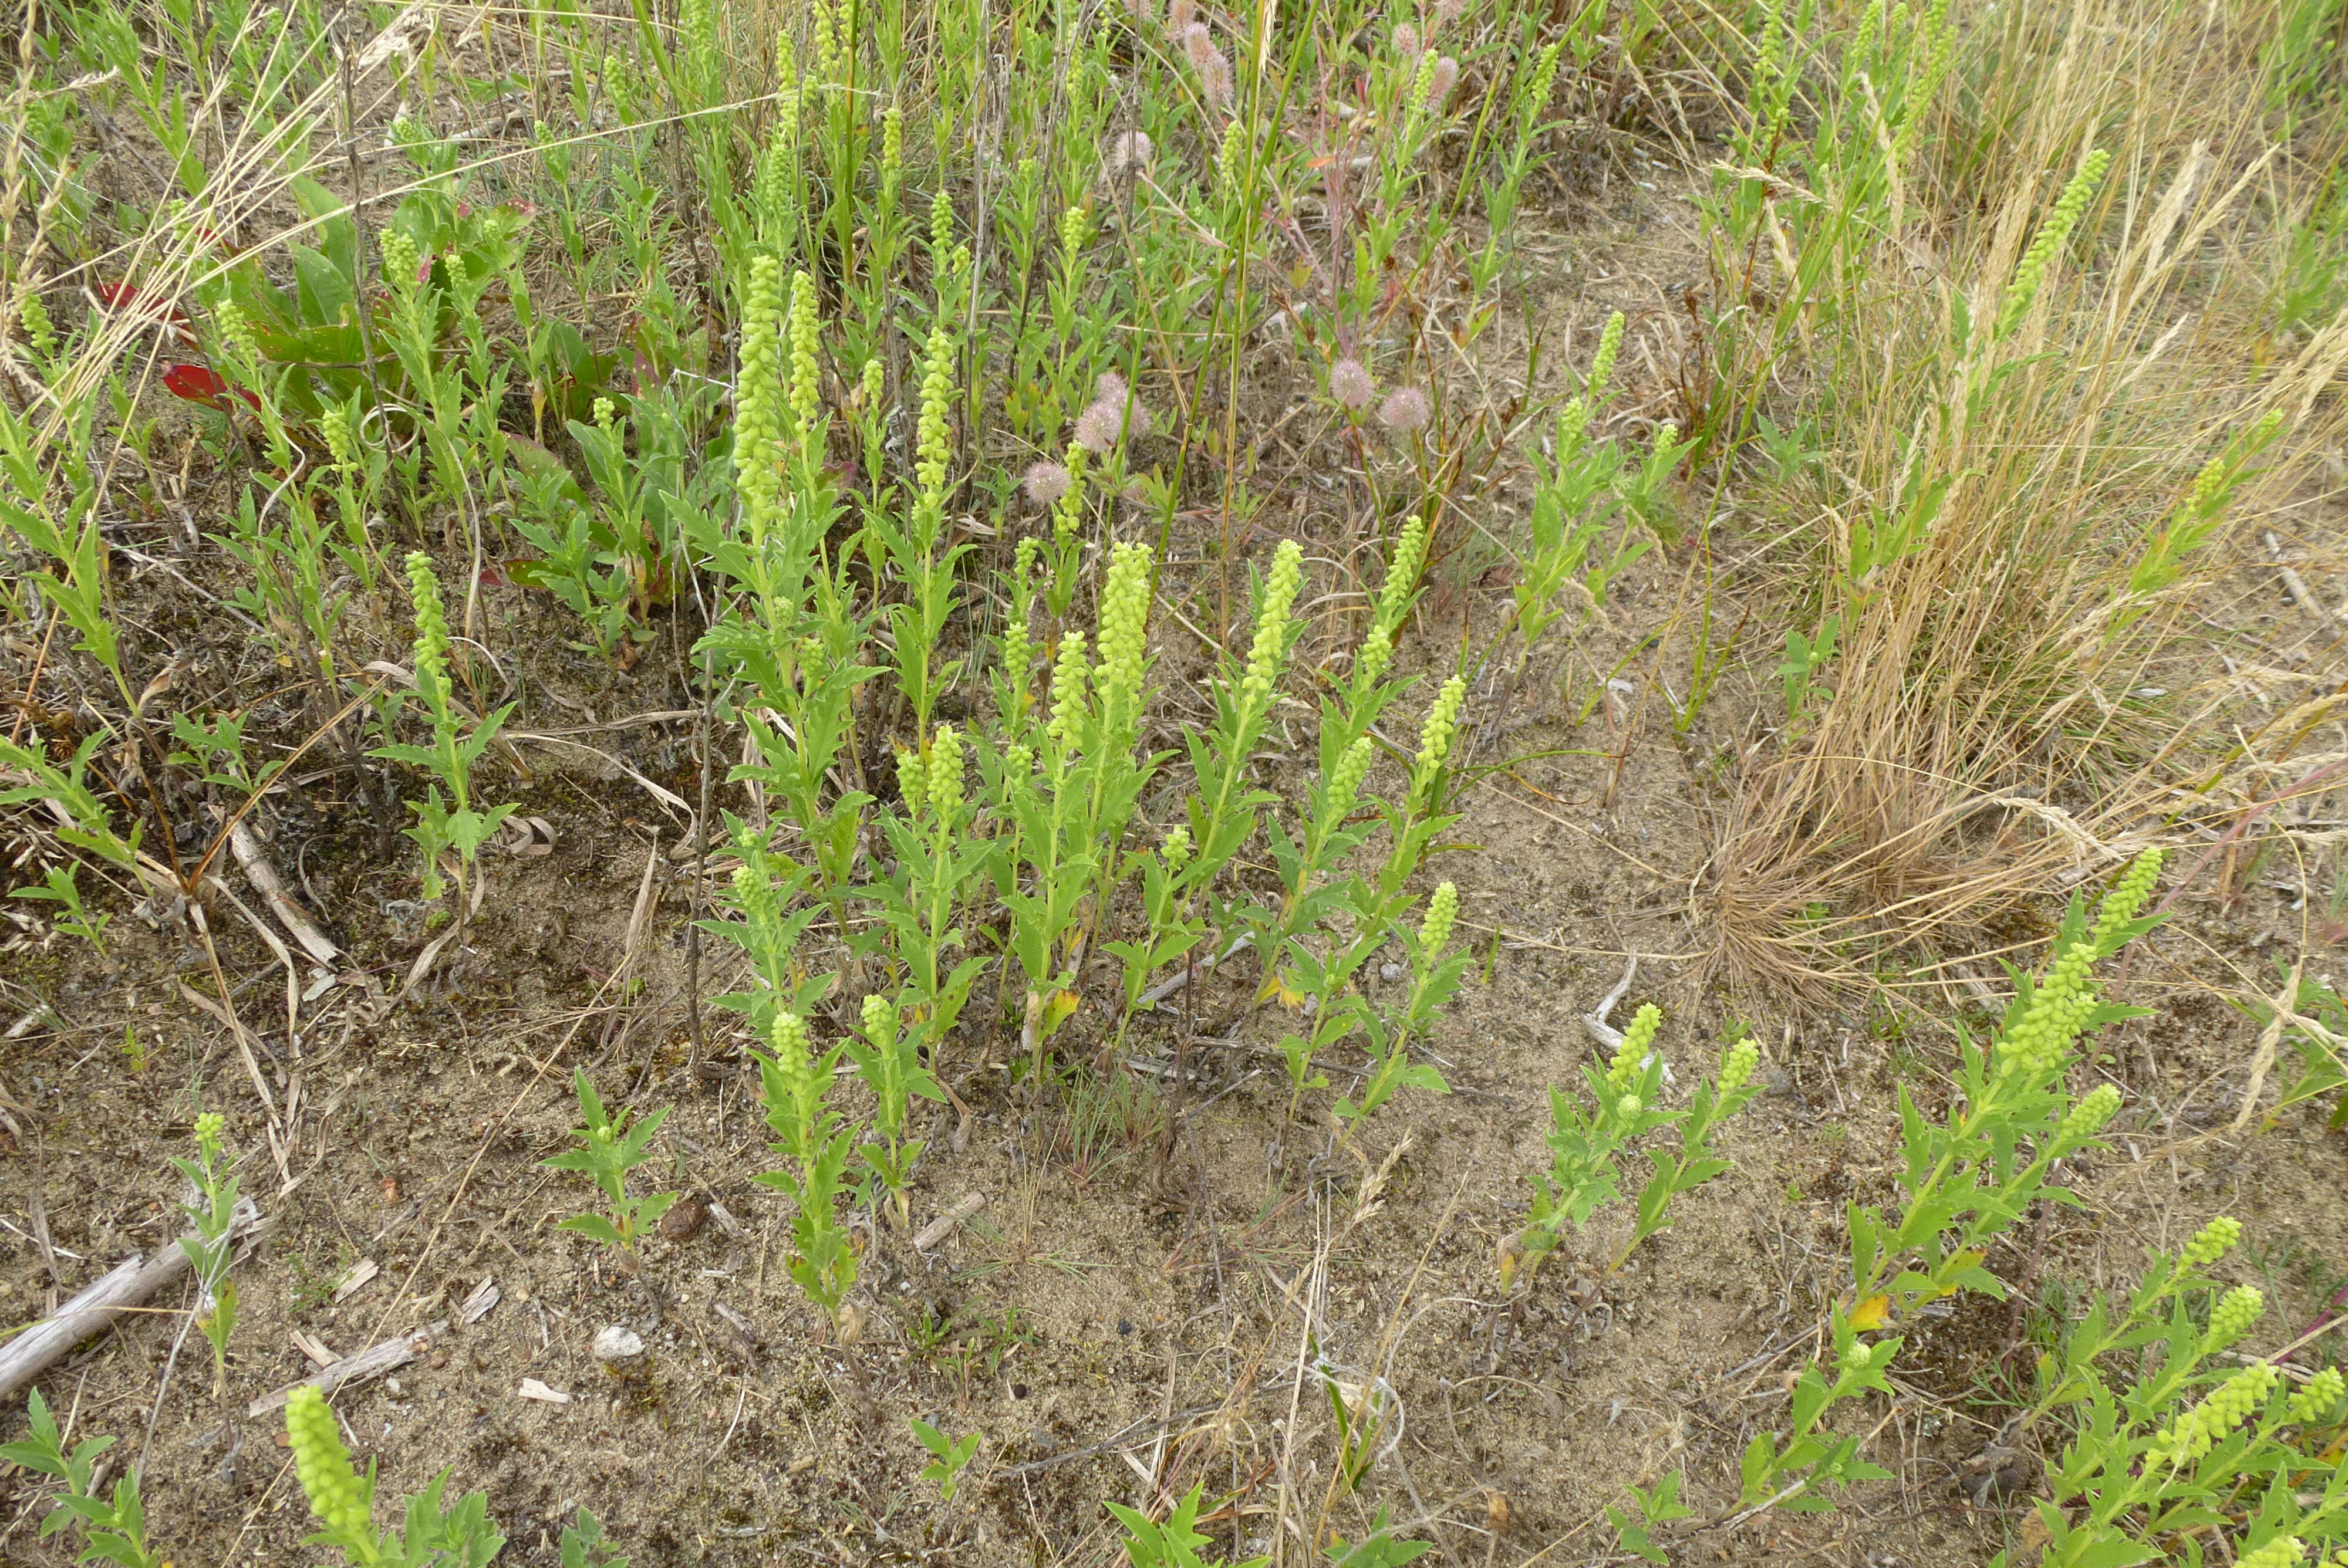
(948, 1457)
(609, 1147)
(112, 1525)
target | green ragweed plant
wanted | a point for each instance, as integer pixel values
(948, 1457)
(1587, 1143)
(432, 1535)
(61, 885)
(1176, 1542)
(457, 741)
(112, 1525)
(889, 1059)
(2196, 1441)
(609, 1148)
(1966, 1181)
(815, 1141)
(937, 857)
(213, 1214)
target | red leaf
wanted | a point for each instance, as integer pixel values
(194, 382)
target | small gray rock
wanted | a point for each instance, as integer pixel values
(1389, 971)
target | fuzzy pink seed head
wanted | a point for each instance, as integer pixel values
(1179, 15)
(1445, 78)
(1215, 76)
(1406, 408)
(1197, 43)
(1350, 384)
(1448, 11)
(1096, 429)
(1109, 387)
(1045, 482)
(1406, 41)
(1131, 150)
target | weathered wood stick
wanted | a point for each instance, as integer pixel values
(371, 1362)
(129, 1283)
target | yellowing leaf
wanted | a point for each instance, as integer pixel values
(1056, 1012)
(1282, 989)
(1871, 1313)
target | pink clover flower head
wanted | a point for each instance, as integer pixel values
(1350, 384)
(1045, 482)
(1406, 408)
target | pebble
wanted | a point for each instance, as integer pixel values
(1389, 971)
(616, 1344)
(684, 1220)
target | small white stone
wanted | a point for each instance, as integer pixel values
(616, 1343)
(1389, 971)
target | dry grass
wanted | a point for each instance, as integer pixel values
(1981, 743)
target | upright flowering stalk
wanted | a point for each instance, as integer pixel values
(757, 404)
(1966, 1180)
(458, 742)
(1223, 807)
(2053, 234)
(793, 1084)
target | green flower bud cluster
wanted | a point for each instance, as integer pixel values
(1069, 512)
(2283, 1552)
(1435, 735)
(1442, 913)
(2052, 236)
(2198, 1430)
(2212, 1242)
(754, 895)
(1076, 227)
(1423, 86)
(933, 442)
(1737, 1067)
(892, 151)
(940, 230)
(1271, 646)
(1544, 76)
(603, 412)
(400, 260)
(1393, 598)
(1863, 42)
(1068, 675)
(826, 31)
(2060, 1006)
(1939, 40)
(337, 1495)
(1638, 1041)
(875, 373)
(2127, 897)
(236, 331)
(806, 367)
(796, 1070)
(1573, 423)
(1229, 158)
(757, 418)
(879, 1018)
(1609, 345)
(944, 779)
(2236, 1313)
(913, 782)
(2318, 1397)
(431, 628)
(1176, 851)
(39, 330)
(1346, 779)
(2087, 1118)
(209, 1128)
(1124, 627)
